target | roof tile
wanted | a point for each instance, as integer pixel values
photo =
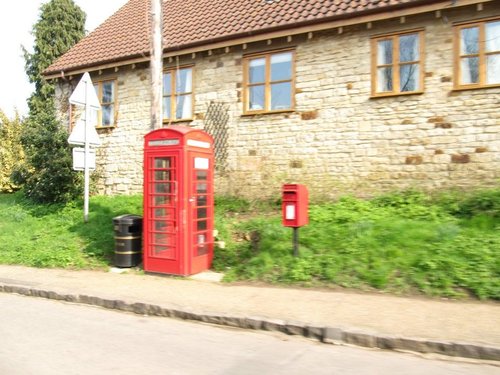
(126, 33)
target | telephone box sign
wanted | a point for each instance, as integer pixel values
(178, 201)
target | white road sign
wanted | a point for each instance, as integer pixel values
(77, 136)
(79, 159)
(82, 96)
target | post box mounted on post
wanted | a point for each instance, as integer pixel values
(294, 208)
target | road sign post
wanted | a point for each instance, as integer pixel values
(84, 96)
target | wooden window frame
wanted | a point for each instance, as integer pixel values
(482, 54)
(114, 102)
(396, 63)
(267, 82)
(173, 95)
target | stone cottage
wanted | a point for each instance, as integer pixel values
(358, 96)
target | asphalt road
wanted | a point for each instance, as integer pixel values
(41, 337)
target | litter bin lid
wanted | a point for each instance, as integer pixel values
(127, 219)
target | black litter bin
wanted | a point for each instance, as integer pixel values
(128, 240)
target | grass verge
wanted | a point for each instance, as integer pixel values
(405, 243)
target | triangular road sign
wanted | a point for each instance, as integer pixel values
(84, 93)
(77, 136)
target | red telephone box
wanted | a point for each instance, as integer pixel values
(178, 200)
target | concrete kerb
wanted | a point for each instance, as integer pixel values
(331, 335)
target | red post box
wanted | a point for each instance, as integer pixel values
(178, 201)
(295, 205)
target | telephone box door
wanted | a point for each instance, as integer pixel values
(200, 216)
(163, 191)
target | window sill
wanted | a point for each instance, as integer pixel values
(475, 87)
(393, 94)
(166, 122)
(258, 113)
(105, 127)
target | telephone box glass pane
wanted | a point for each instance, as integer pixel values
(201, 187)
(163, 187)
(201, 200)
(201, 213)
(201, 175)
(162, 200)
(163, 163)
(160, 212)
(162, 176)
(160, 225)
(163, 252)
(201, 225)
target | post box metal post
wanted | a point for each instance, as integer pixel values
(295, 207)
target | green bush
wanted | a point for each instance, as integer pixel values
(11, 151)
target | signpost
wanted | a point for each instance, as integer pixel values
(84, 132)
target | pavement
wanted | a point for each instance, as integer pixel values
(467, 329)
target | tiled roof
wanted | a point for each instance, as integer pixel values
(125, 35)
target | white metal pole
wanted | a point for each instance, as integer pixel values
(156, 63)
(86, 156)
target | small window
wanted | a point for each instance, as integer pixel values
(269, 82)
(178, 94)
(106, 92)
(397, 64)
(477, 54)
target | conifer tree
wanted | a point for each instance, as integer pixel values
(48, 175)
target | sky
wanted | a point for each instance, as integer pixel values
(16, 22)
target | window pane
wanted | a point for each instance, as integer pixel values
(256, 98)
(408, 48)
(384, 53)
(107, 115)
(166, 107)
(493, 36)
(281, 95)
(183, 81)
(167, 84)
(469, 41)
(257, 70)
(408, 77)
(384, 79)
(281, 66)
(470, 70)
(107, 92)
(493, 69)
(183, 107)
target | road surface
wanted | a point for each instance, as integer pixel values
(41, 337)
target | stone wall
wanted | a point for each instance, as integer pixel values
(338, 140)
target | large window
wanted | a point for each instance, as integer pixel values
(269, 82)
(178, 94)
(397, 64)
(106, 92)
(477, 51)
